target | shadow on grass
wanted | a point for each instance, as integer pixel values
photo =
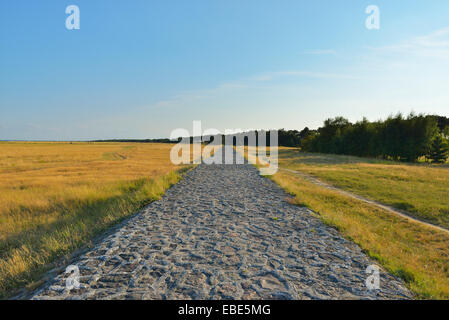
(404, 206)
(301, 157)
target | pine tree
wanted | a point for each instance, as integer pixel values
(446, 132)
(438, 150)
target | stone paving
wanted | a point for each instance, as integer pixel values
(224, 232)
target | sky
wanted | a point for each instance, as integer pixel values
(142, 68)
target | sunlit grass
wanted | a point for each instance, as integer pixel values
(420, 189)
(55, 197)
(417, 254)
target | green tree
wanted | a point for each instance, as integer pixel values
(439, 150)
(446, 132)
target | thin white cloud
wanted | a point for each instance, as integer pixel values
(435, 45)
(193, 96)
(320, 75)
(301, 73)
(320, 51)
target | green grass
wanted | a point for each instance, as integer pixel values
(418, 254)
(420, 189)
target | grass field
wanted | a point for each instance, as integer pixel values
(420, 189)
(55, 197)
(417, 254)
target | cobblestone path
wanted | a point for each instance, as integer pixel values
(224, 232)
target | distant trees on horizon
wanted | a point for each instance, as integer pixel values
(397, 138)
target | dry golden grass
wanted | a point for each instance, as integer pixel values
(55, 197)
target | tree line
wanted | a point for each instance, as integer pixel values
(397, 138)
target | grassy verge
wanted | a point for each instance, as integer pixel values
(56, 197)
(419, 189)
(417, 254)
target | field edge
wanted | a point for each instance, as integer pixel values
(23, 284)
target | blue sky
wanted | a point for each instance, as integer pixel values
(141, 68)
